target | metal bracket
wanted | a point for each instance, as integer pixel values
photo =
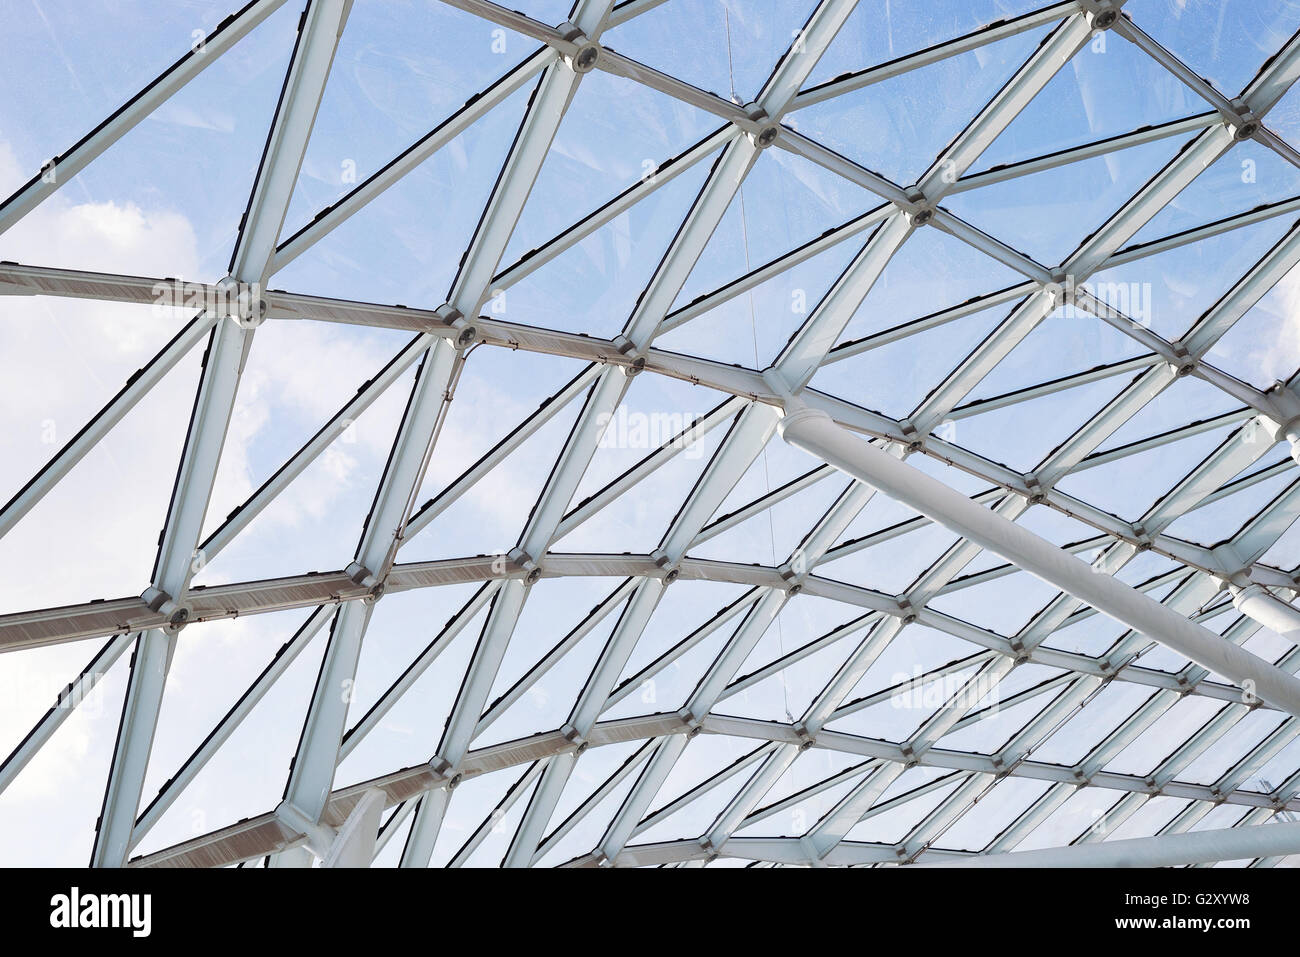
(693, 724)
(1101, 14)
(178, 615)
(451, 317)
(585, 52)
(629, 348)
(440, 766)
(1246, 124)
(250, 306)
(571, 735)
(1141, 538)
(793, 583)
(765, 132)
(669, 568)
(360, 575)
(908, 612)
(1020, 654)
(523, 561)
(921, 210)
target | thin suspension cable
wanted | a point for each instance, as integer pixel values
(753, 330)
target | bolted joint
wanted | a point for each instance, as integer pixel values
(793, 585)
(907, 613)
(1003, 770)
(1037, 496)
(669, 568)
(585, 52)
(1101, 14)
(524, 562)
(1141, 539)
(636, 363)
(710, 850)
(806, 740)
(764, 130)
(451, 317)
(911, 436)
(1246, 124)
(571, 735)
(693, 724)
(178, 620)
(177, 614)
(920, 210)
(1184, 362)
(242, 301)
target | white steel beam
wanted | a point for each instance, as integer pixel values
(318, 37)
(470, 290)
(354, 845)
(815, 433)
(645, 322)
(746, 441)
(1164, 850)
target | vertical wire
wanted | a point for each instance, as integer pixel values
(753, 328)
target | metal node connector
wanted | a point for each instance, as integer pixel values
(524, 561)
(586, 51)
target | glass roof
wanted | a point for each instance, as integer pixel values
(394, 397)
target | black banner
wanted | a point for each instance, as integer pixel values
(487, 908)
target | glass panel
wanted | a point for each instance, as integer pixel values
(898, 127)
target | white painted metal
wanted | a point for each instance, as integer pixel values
(1267, 609)
(814, 432)
(1166, 850)
(227, 351)
(354, 845)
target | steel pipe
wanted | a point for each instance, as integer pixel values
(814, 432)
